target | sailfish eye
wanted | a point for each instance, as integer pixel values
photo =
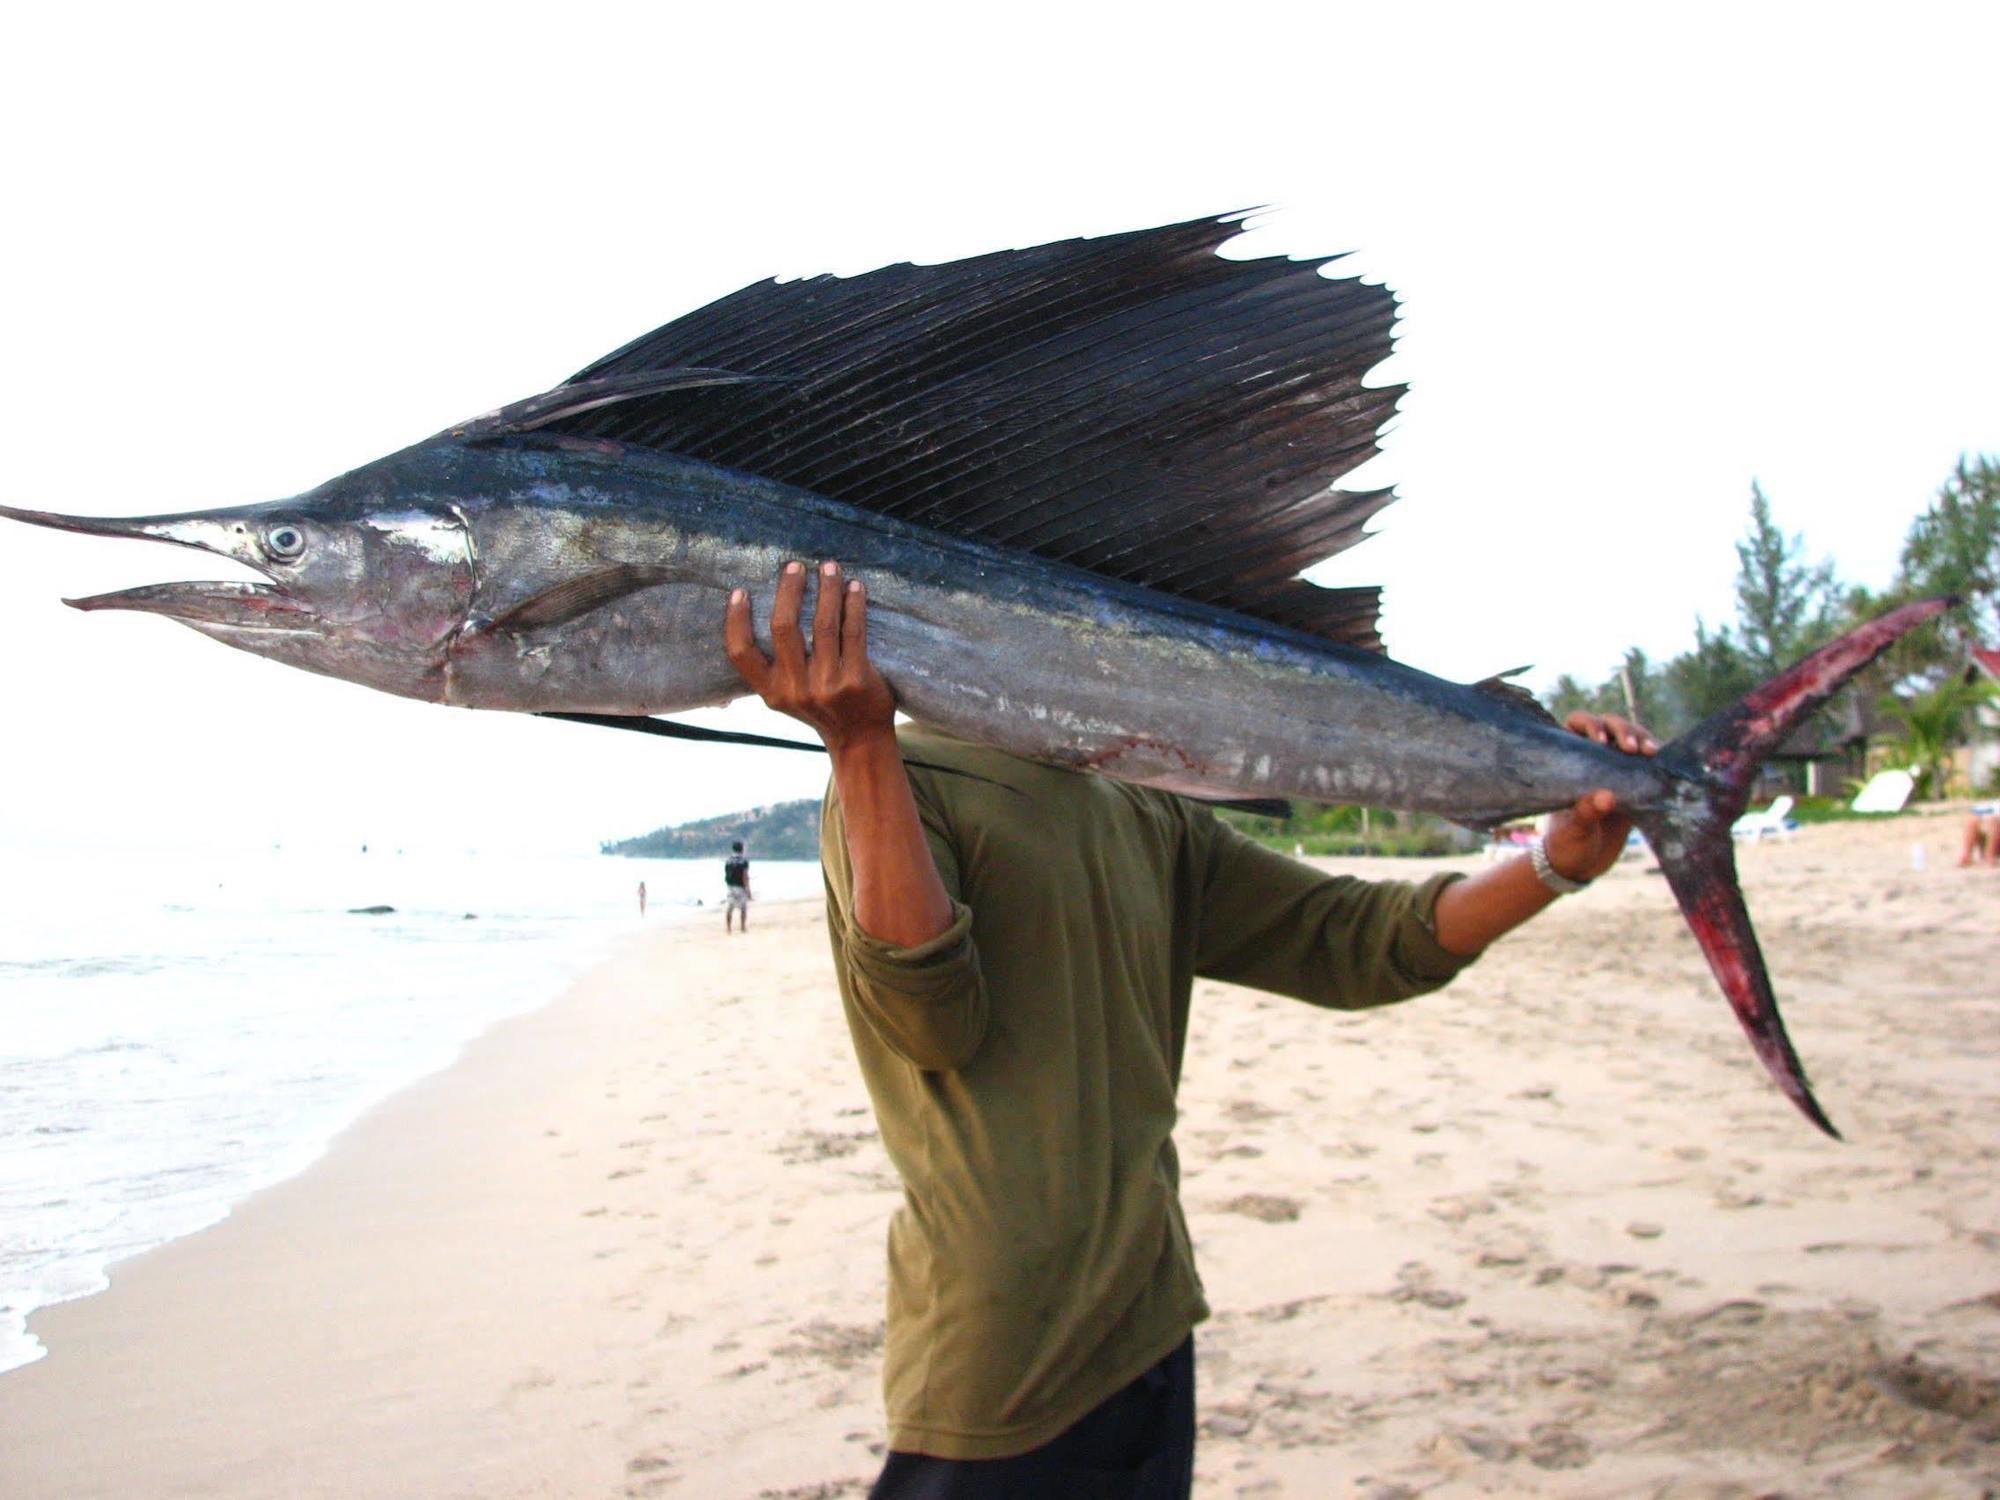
(283, 542)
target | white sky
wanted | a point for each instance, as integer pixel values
(1640, 262)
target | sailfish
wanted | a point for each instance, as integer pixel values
(1081, 482)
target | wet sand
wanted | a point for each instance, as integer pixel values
(1549, 1232)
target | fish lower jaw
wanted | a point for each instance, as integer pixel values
(235, 605)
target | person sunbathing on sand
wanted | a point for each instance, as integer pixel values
(1982, 839)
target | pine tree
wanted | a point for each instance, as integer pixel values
(1713, 675)
(1784, 607)
(1954, 548)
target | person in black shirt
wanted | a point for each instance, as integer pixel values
(736, 885)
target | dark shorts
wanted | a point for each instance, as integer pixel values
(1138, 1445)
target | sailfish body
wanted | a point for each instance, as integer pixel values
(1080, 482)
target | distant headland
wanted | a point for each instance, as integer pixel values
(789, 830)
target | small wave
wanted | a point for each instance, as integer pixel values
(81, 968)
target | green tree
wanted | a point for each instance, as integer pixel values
(1934, 722)
(1650, 698)
(1713, 675)
(1784, 607)
(1637, 689)
(1953, 547)
(1568, 695)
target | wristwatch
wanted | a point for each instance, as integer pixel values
(1548, 874)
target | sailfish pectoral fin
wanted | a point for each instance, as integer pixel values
(576, 597)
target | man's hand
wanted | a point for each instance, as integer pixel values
(834, 688)
(1585, 839)
(899, 897)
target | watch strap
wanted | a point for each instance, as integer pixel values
(1548, 874)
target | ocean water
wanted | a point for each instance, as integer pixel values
(179, 1030)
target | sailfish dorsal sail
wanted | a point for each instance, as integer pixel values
(1135, 404)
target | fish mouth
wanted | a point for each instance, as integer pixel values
(228, 606)
(218, 606)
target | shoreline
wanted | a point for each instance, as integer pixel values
(299, 1156)
(315, 1289)
(190, 1030)
(1550, 1232)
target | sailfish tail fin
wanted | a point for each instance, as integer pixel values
(1715, 764)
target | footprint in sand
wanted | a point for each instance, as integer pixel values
(822, 1145)
(841, 1345)
(1417, 1282)
(1458, 1208)
(1453, 1450)
(1506, 1251)
(1347, 1150)
(1284, 1312)
(1266, 1208)
(1552, 1446)
(1250, 1111)
(1726, 1317)
(1228, 1420)
(653, 1469)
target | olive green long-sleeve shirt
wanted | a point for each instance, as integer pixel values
(1023, 1066)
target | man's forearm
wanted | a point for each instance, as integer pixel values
(1584, 840)
(898, 895)
(1474, 911)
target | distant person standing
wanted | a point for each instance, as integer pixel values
(642, 898)
(736, 886)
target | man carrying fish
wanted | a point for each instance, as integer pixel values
(1016, 944)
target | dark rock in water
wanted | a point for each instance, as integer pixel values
(471, 916)
(369, 911)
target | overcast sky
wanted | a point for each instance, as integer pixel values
(1640, 263)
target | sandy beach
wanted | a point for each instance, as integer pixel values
(1550, 1232)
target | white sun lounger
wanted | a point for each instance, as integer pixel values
(1775, 819)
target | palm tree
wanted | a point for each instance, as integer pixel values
(1934, 723)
